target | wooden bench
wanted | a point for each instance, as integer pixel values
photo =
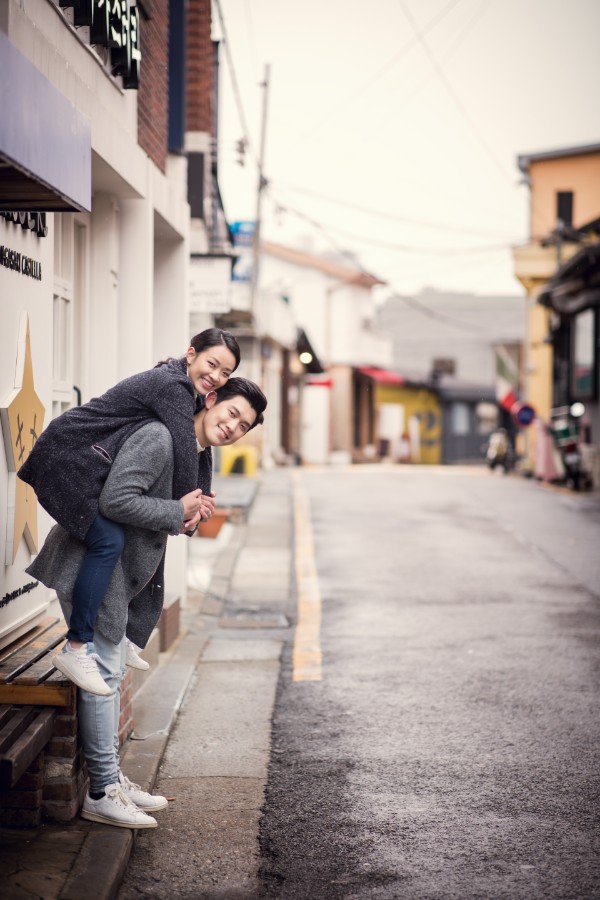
(24, 732)
(40, 757)
(27, 676)
(30, 691)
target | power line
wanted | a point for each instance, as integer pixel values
(387, 245)
(378, 74)
(234, 84)
(453, 95)
(393, 217)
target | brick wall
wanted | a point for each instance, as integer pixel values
(199, 67)
(153, 105)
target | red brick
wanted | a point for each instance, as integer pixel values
(21, 799)
(65, 726)
(65, 790)
(63, 747)
(20, 818)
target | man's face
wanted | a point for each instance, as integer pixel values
(224, 423)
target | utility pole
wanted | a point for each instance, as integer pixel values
(262, 183)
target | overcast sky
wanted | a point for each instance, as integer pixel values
(393, 126)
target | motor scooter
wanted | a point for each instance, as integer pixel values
(499, 451)
(565, 430)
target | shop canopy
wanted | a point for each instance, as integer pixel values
(45, 142)
(576, 284)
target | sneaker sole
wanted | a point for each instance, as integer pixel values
(104, 820)
(57, 662)
(148, 809)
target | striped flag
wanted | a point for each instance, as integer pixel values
(507, 379)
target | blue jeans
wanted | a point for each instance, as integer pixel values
(105, 541)
(99, 716)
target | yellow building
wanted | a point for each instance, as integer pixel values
(564, 196)
(407, 417)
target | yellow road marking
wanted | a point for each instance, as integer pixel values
(307, 640)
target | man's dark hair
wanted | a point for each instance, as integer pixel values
(242, 387)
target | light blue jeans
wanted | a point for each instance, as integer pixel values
(99, 716)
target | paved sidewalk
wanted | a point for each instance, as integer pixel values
(242, 583)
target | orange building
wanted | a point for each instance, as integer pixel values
(564, 218)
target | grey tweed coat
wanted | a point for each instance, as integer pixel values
(138, 493)
(71, 459)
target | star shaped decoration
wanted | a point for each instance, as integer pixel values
(22, 415)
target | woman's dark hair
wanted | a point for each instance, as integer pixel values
(242, 387)
(211, 337)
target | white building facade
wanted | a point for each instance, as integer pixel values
(106, 292)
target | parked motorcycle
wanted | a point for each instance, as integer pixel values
(565, 430)
(499, 451)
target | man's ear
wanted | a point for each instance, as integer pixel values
(210, 399)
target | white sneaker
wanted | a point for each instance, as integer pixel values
(133, 659)
(115, 808)
(143, 799)
(81, 667)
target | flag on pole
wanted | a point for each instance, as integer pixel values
(507, 379)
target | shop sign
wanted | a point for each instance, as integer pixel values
(210, 284)
(113, 24)
(18, 592)
(18, 262)
(28, 221)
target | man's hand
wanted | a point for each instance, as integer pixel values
(191, 503)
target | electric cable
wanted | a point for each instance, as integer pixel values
(234, 84)
(454, 96)
(378, 74)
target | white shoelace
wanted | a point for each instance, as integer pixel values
(126, 783)
(120, 797)
(89, 661)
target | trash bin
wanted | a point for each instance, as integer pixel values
(236, 460)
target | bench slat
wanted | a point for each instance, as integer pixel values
(30, 654)
(58, 693)
(16, 725)
(24, 750)
(26, 639)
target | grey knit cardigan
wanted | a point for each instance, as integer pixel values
(70, 461)
(138, 493)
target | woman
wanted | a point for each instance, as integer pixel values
(70, 462)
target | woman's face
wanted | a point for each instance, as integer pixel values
(210, 369)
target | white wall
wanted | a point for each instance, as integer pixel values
(22, 297)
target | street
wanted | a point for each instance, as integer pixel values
(451, 748)
(435, 729)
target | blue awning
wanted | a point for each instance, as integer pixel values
(45, 142)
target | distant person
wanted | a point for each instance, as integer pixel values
(71, 460)
(139, 494)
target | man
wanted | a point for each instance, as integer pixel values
(139, 494)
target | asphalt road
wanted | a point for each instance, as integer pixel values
(450, 748)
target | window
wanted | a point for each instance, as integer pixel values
(582, 371)
(460, 419)
(70, 260)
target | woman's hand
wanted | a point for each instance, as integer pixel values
(190, 524)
